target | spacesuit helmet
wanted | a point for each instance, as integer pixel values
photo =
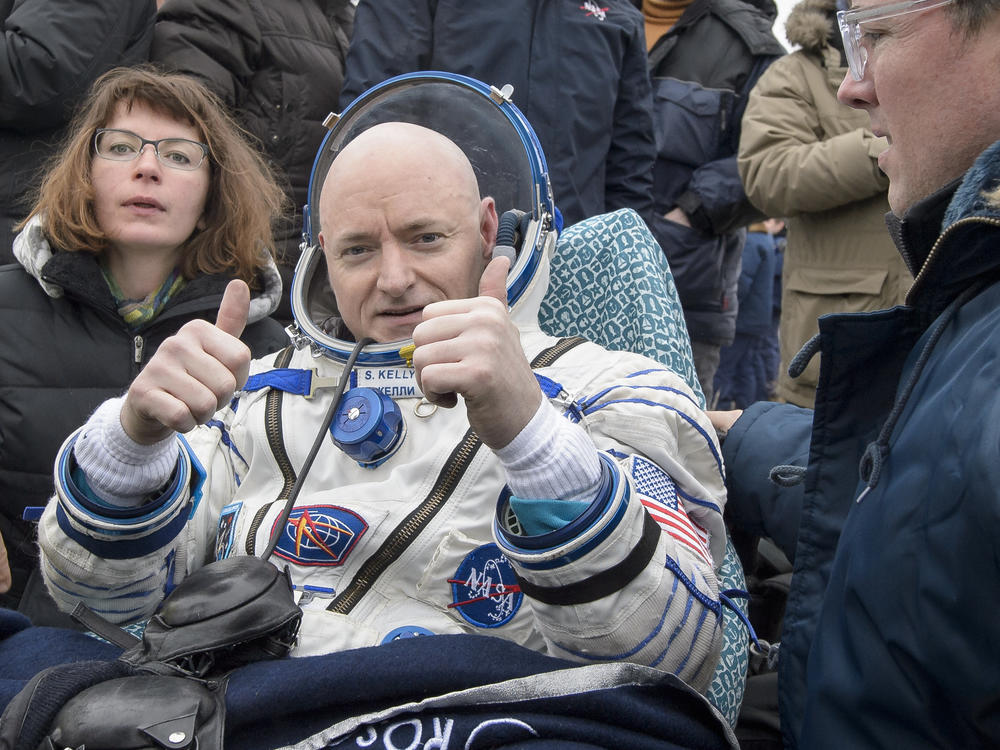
(509, 166)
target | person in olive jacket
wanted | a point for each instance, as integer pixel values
(50, 53)
(154, 204)
(805, 156)
(279, 65)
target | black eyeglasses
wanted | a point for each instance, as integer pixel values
(124, 145)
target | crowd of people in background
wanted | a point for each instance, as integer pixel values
(766, 176)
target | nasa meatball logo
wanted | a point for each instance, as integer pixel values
(484, 589)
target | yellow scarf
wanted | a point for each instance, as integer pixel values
(661, 15)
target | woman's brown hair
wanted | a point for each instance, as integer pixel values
(243, 199)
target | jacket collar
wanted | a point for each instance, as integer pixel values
(948, 239)
(79, 273)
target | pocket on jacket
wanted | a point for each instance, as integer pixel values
(690, 122)
(852, 284)
(810, 293)
(698, 264)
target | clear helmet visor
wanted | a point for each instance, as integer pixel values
(504, 153)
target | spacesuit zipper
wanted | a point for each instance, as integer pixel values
(404, 534)
(407, 531)
(275, 439)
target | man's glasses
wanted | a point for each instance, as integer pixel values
(124, 145)
(850, 27)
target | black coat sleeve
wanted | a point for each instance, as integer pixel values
(218, 42)
(51, 51)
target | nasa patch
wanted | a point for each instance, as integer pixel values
(484, 589)
(319, 535)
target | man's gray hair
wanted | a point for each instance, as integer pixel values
(970, 16)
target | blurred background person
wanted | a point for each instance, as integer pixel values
(50, 53)
(748, 368)
(805, 156)
(704, 57)
(279, 65)
(152, 206)
(579, 75)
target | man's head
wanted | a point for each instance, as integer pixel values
(931, 85)
(403, 225)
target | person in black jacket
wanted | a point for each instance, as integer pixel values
(579, 75)
(50, 53)
(704, 58)
(279, 65)
(154, 204)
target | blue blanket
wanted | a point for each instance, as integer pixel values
(445, 691)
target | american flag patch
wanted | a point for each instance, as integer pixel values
(659, 496)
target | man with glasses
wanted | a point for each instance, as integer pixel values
(889, 637)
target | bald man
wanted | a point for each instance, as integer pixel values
(532, 526)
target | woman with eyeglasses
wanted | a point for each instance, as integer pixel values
(154, 203)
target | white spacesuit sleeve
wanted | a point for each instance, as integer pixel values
(632, 576)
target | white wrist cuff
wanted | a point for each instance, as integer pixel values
(551, 459)
(119, 470)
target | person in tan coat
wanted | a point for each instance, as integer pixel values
(808, 158)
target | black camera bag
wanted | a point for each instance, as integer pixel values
(167, 690)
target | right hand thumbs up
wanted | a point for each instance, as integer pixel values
(192, 375)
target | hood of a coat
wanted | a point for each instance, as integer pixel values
(811, 24)
(979, 193)
(32, 251)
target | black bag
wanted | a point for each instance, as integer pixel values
(141, 712)
(224, 615)
(167, 690)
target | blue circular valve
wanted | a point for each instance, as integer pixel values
(368, 426)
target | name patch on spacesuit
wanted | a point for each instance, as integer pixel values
(319, 535)
(395, 382)
(484, 589)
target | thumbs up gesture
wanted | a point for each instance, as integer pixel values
(471, 347)
(193, 373)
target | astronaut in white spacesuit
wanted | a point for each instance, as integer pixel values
(477, 476)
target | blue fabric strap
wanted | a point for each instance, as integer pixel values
(299, 382)
(288, 380)
(32, 513)
(550, 388)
